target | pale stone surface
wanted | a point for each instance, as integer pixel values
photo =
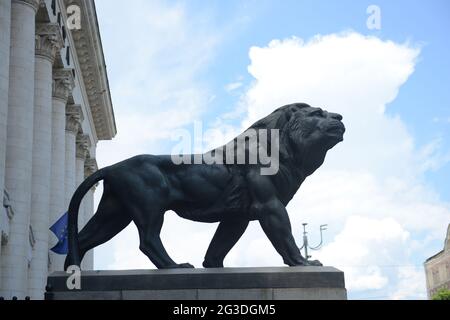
(73, 121)
(62, 87)
(71, 129)
(5, 23)
(49, 40)
(79, 178)
(437, 269)
(48, 43)
(82, 216)
(90, 167)
(83, 145)
(82, 149)
(40, 195)
(57, 195)
(69, 178)
(88, 261)
(19, 146)
(24, 132)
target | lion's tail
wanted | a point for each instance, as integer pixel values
(73, 256)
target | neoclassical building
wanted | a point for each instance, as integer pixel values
(55, 106)
(437, 269)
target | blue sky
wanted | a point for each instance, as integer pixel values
(193, 61)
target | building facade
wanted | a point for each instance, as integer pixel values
(55, 106)
(437, 269)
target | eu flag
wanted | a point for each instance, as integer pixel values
(60, 231)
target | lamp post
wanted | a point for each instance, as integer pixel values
(305, 240)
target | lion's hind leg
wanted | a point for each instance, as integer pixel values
(108, 221)
(149, 225)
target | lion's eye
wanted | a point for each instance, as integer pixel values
(317, 113)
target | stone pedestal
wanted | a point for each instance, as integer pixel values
(279, 283)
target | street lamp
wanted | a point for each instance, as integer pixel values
(305, 240)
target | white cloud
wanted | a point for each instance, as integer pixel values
(410, 285)
(233, 86)
(441, 120)
(362, 246)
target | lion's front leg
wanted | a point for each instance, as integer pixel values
(276, 225)
(226, 236)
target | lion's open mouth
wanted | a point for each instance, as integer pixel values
(336, 129)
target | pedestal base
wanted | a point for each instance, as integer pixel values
(279, 283)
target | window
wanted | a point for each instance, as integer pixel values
(54, 7)
(68, 55)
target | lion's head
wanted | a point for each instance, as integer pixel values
(305, 135)
(304, 129)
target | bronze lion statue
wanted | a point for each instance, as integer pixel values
(141, 189)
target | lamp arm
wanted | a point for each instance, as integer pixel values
(321, 240)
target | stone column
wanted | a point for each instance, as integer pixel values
(5, 34)
(19, 143)
(63, 84)
(5, 26)
(74, 117)
(73, 121)
(88, 261)
(83, 144)
(90, 167)
(48, 43)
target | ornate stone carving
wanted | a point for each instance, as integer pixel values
(90, 167)
(83, 145)
(32, 3)
(49, 40)
(74, 118)
(63, 84)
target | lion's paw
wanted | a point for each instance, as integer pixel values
(185, 266)
(180, 266)
(315, 263)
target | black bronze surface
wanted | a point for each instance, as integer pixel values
(143, 188)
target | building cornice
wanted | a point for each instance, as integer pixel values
(90, 55)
